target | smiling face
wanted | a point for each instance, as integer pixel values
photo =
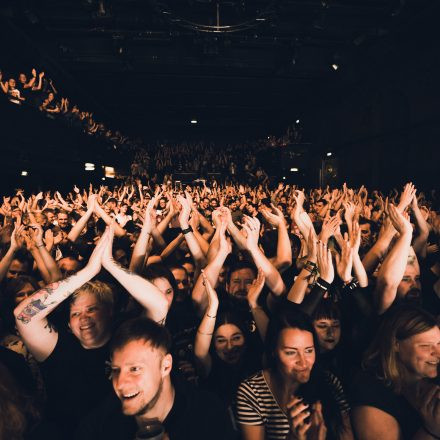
(420, 354)
(410, 288)
(138, 374)
(90, 320)
(229, 343)
(295, 353)
(328, 332)
(240, 282)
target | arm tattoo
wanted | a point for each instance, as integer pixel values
(39, 304)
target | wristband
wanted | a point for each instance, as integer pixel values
(187, 230)
(322, 284)
(311, 267)
(352, 285)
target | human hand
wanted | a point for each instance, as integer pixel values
(408, 193)
(298, 412)
(17, 238)
(329, 228)
(91, 200)
(252, 227)
(255, 289)
(324, 262)
(312, 246)
(318, 429)
(299, 198)
(344, 262)
(185, 211)
(36, 234)
(400, 223)
(107, 253)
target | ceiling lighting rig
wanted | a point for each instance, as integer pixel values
(216, 16)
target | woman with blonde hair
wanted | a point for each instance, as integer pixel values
(397, 395)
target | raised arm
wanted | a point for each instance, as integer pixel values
(82, 222)
(393, 267)
(142, 244)
(205, 331)
(258, 313)
(119, 232)
(31, 314)
(145, 293)
(273, 278)
(420, 242)
(283, 258)
(16, 242)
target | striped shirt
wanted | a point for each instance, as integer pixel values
(256, 405)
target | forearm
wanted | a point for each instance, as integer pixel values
(158, 239)
(172, 246)
(376, 253)
(119, 232)
(144, 292)
(42, 302)
(79, 226)
(204, 245)
(359, 271)
(163, 225)
(273, 278)
(42, 268)
(211, 271)
(261, 320)
(284, 249)
(194, 247)
(237, 236)
(298, 290)
(312, 300)
(6, 262)
(140, 251)
(203, 338)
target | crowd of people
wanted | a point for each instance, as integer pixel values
(38, 92)
(220, 311)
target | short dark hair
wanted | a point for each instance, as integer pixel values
(141, 329)
(157, 270)
(242, 265)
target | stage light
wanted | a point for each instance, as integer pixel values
(89, 166)
(109, 172)
(102, 178)
(297, 121)
(193, 121)
(329, 154)
(284, 177)
(24, 173)
(335, 66)
(294, 169)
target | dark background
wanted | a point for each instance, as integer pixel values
(148, 67)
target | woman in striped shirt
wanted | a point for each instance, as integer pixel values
(293, 398)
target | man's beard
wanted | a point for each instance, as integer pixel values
(151, 404)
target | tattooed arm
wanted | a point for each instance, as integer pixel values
(31, 314)
(153, 300)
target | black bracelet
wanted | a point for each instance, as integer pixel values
(187, 230)
(352, 285)
(322, 284)
(429, 432)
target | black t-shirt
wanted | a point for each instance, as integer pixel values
(76, 381)
(367, 390)
(195, 415)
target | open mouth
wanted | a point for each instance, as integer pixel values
(130, 396)
(433, 363)
(86, 327)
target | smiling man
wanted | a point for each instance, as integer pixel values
(148, 395)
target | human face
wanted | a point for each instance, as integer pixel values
(63, 220)
(319, 206)
(328, 332)
(12, 83)
(166, 288)
(240, 282)
(182, 283)
(121, 257)
(420, 354)
(22, 78)
(365, 234)
(138, 373)
(50, 217)
(410, 288)
(23, 293)
(295, 352)
(190, 270)
(16, 269)
(68, 266)
(229, 343)
(90, 320)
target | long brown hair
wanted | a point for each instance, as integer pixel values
(17, 411)
(382, 357)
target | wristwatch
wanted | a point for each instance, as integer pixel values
(187, 230)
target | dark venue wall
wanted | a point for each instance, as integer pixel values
(385, 126)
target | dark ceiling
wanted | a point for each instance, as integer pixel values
(248, 66)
